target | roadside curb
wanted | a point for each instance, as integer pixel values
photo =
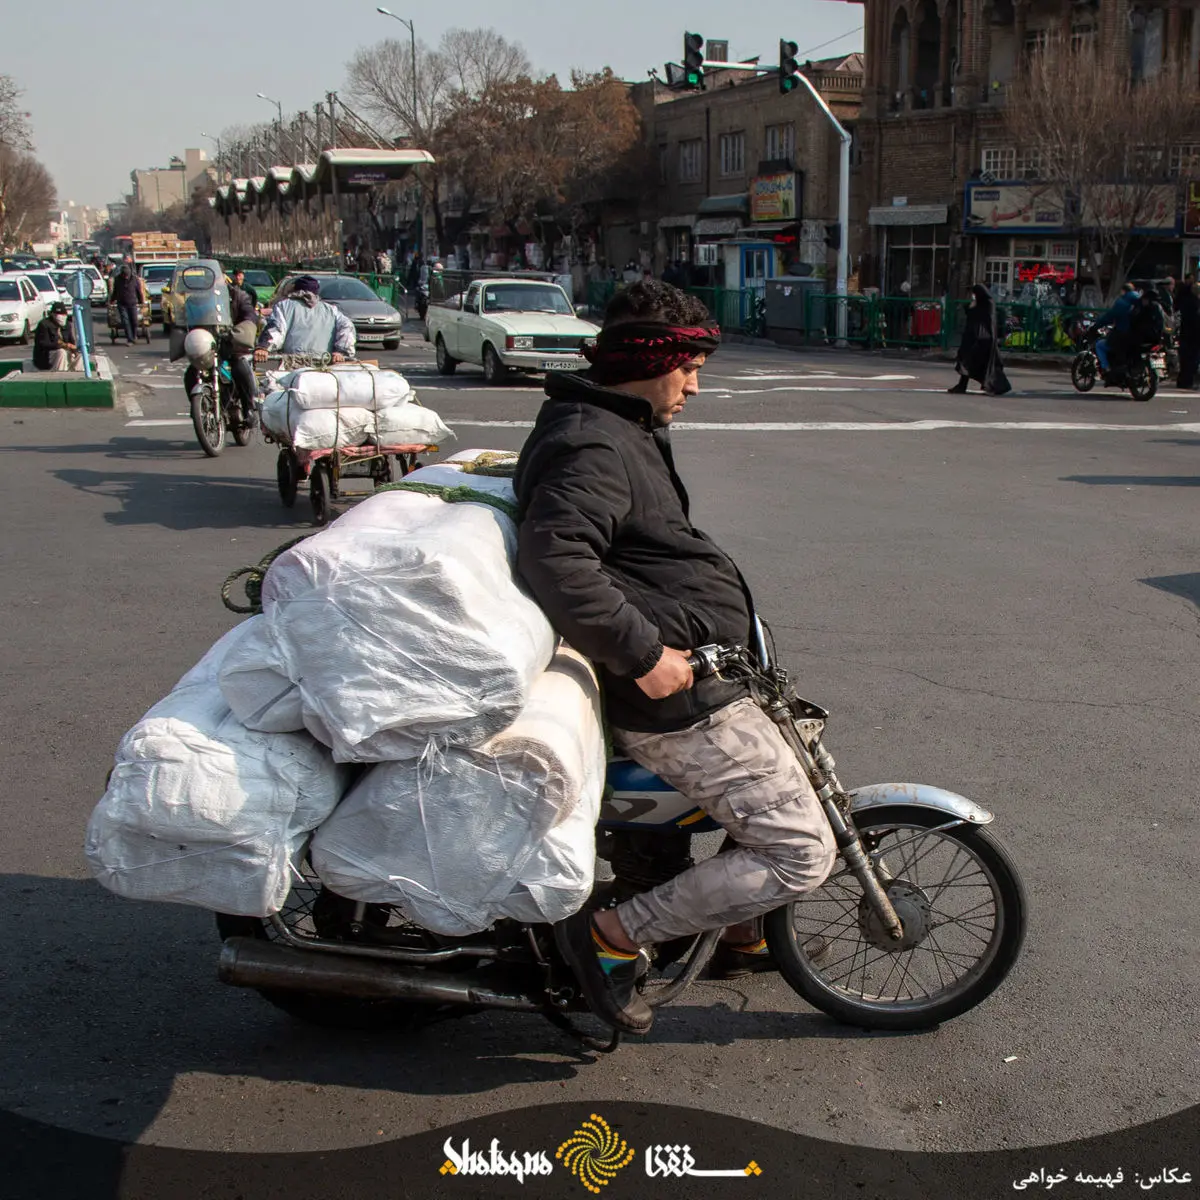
(41, 389)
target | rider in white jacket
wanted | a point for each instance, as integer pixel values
(306, 324)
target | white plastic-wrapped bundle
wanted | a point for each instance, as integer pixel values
(351, 385)
(254, 683)
(506, 829)
(402, 624)
(403, 424)
(200, 810)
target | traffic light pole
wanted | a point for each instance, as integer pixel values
(843, 256)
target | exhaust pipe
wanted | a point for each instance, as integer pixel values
(251, 962)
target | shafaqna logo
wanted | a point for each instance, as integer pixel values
(494, 1161)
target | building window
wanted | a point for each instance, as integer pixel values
(1000, 161)
(690, 154)
(1028, 164)
(1083, 38)
(1144, 161)
(780, 142)
(664, 164)
(997, 276)
(1184, 160)
(733, 153)
(1036, 41)
(716, 51)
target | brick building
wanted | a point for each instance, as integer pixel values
(744, 179)
(940, 192)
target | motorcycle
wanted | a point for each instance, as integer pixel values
(1139, 375)
(202, 331)
(214, 402)
(921, 918)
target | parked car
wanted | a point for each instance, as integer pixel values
(156, 276)
(47, 287)
(507, 325)
(375, 321)
(21, 307)
(68, 264)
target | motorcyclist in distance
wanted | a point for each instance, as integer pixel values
(306, 324)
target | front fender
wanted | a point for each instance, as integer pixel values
(920, 795)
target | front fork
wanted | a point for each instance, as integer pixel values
(819, 767)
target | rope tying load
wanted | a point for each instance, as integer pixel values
(502, 464)
(254, 580)
(455, 495)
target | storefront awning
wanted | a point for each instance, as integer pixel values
(738, 202)
(761, 227)
(909, 214)
(676, 222)
(717, 226)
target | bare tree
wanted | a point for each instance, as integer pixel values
(15, 130)
(27, 194)
(478, 59)
(1110, 152)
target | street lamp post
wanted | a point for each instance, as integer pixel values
(412, 35)
(279, 125)
(210, 137)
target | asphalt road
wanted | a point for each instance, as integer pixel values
(998, 596)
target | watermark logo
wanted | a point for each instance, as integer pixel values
(462, 1160)
(594, 1153)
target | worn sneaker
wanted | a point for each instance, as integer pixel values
(608, 976)
(732, 962)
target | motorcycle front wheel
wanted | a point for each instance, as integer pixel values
(962, 905)
(207, 422)
(1083, 372)
(1143, 381)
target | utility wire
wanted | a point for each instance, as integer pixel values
(806, 53)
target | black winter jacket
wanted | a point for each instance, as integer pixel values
(608, 551)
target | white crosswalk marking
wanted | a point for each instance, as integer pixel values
(878, 426)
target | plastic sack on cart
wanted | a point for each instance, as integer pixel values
(350, 385)
(506, 829)
(200, 810)
(402, 624)
(253, 681)
(335, 428)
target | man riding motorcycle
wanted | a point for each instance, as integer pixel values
(1111, 350)
(609, 552)
(306, 324)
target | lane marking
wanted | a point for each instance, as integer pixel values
(752, 377)
(156, 422)
(870, 426)
(131, 406)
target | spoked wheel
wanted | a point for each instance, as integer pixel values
(208, 422)
(1083, 372)
(320, 492)
(1143, 381)
(311, 910)
(963, 908)
(287, 474)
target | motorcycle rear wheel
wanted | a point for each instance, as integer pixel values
(963, 906)
(1143, 381)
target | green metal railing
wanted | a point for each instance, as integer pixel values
(879, 322)
(737, 310)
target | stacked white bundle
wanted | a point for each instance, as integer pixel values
(351, 384)
(401, 424)
(400, 625)
(504, 829)
(200, 810)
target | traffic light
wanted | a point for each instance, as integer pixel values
(833, 235)
(789, 69)
(693, 60)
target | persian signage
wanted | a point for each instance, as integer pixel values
(773, 197)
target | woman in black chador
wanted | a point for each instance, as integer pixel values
(979, 351)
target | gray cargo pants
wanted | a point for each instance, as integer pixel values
(735, 765)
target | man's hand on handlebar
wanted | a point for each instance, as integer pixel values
(672, 674)
(336, 357)
(260, 355)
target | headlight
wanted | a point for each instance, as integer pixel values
(8, 317)
(522, 343)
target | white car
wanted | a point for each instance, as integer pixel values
(67, 264)
(99, 296)
(155, 276)
(509, 325)
(49, 290)
(21, 307)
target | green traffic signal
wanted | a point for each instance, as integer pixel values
(789, 68)
(693, 60)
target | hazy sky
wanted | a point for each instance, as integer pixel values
(117, 84)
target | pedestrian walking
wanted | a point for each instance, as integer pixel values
(979, 351)
(1187, 316)
(128, 294)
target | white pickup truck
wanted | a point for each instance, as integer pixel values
(508, 325)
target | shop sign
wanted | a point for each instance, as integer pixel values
(1004, 207)
(1191, 212)
(773, 197)
(1043, 272)
(362, 175)
(1130, 205)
